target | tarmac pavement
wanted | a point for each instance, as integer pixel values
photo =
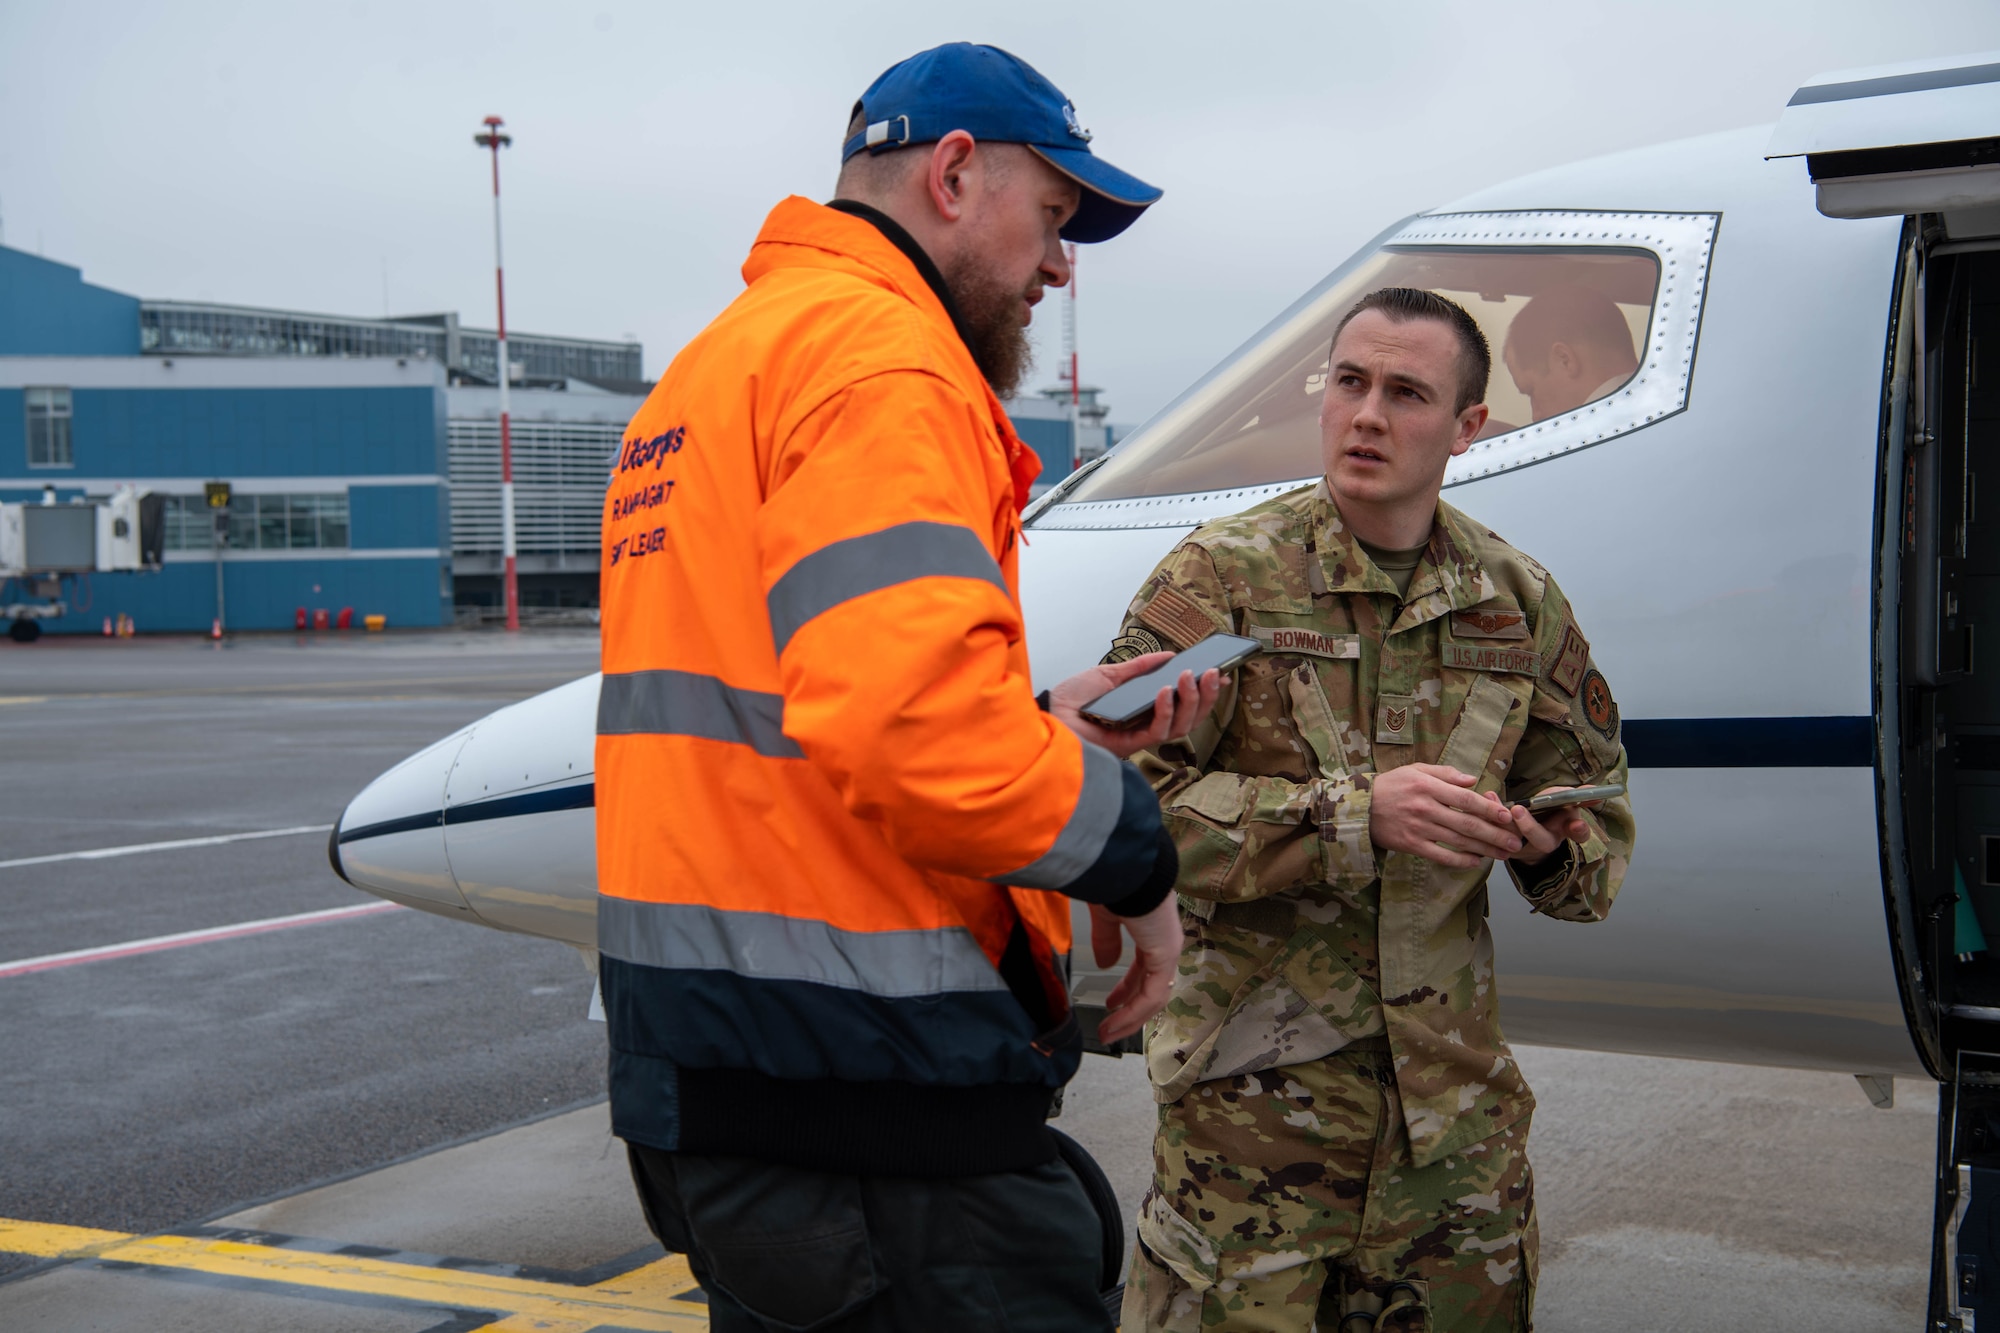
(393, 1121)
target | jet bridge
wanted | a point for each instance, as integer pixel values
(46, 547)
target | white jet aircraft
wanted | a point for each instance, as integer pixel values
(1742, 418)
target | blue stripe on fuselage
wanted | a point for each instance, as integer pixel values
(1750, 742)
(578, 796)
(1661, 742)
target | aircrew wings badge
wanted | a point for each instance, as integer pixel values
(1489, 623)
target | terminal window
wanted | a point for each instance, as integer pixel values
(307, 521)
(48, 428)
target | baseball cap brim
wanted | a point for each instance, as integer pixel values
(1112, 199)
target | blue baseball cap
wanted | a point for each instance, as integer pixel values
(998, 97)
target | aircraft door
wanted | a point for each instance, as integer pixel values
(1942, 428)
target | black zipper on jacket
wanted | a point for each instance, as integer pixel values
(915, 253)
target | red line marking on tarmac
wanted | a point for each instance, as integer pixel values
(50, 962)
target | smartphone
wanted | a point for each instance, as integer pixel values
(1556, 800)
(1131, 704)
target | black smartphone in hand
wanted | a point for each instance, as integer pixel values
(1131, 704)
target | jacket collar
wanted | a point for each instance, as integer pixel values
(847, 236)
(846, 239)
(1451, 578)
(920, 258)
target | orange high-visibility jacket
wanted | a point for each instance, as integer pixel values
(835, 832)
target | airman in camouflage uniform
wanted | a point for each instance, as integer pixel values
(1342, 1126)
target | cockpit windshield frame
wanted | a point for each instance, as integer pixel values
(1680, 244)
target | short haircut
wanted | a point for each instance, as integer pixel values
(1402, 304)
(1579, 316)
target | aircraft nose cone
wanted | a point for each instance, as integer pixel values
(390, 839)
(333, 853)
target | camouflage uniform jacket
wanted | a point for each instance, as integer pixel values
(1303, 936)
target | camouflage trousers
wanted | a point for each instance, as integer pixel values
(1284, 1201)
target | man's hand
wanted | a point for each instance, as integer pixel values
(1431, 811)
(1142, 991)
(1542, 835)
(1176, 708)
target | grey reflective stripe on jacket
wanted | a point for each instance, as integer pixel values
(764, 945)
(685, 703)
(1090, 824)
(855, 566)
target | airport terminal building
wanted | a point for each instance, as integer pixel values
(362, 455)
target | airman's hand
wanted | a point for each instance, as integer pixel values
(1544, 834)
(1142, 991)
(1430, 810)
(1176, 709)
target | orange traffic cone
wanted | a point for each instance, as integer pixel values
(107, 627)
(215, 628)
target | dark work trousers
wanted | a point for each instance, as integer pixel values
(784, 1248)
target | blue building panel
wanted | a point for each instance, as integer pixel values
(14, 435)
(343, 428)
(1051, 439)
(303, 432)
(397, 517)
(47, 309)
(262, 594)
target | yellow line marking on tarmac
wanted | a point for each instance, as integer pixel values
(662, 1280)
(47, 1240)
(642, 1299)
(23, 698)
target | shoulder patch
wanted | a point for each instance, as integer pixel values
(1599, 708)
(1136, 641)
(1173, 614)
(1572, 659)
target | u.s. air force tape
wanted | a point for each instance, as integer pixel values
(1308, 641)
(1480, 657)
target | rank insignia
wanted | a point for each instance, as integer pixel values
(1599, 708)
(1572, 660)
(1393, 717)
(1489, 623)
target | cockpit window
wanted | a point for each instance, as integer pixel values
(1591, 318)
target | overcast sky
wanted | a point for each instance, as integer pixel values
(319, 156)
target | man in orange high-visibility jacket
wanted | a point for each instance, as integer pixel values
(837, 838)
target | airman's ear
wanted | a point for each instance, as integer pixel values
(952, 159)
(1470, 422)
(1564, 360)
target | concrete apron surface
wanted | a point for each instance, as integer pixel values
(1673, 1195)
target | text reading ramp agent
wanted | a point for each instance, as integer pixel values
(836, 835)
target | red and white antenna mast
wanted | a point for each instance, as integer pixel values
(1069, 358)
(494, 141)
